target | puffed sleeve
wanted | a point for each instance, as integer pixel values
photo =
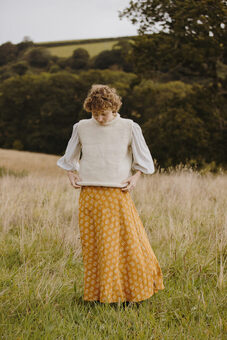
(142, 159)
(70, 160)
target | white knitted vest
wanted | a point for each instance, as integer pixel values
(106, 152)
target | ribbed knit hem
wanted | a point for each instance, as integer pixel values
(100, 184)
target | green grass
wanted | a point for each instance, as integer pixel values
(41, 268)
(92, 48)
(44, 289)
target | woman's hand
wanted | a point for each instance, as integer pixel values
(132, 180)
(73, 179)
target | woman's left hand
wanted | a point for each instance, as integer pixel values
(132, 180)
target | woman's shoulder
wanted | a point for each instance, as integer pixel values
(75, 125)
(81, 122)
(135, 126)
(127, 121)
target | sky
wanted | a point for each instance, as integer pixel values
(53, 20)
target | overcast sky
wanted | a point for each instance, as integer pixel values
(50, 20)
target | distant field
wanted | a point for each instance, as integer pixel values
(92, 48)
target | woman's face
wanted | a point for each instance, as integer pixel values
(103, 117)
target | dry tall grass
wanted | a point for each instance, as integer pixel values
(184, 214)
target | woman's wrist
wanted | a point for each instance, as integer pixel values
(69, 172)
(138, 173)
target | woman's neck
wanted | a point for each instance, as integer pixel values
(107, 123)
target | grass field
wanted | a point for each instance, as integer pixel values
(41, 271)
(92, 48)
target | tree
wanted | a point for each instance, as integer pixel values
(38, 111)
(8, 52)
(80, 59)
(177, 135)
(39, 57)
(125, 48)
(20, 68)
(25, 44)
(189, 39)
(117, 57)
(106, 59)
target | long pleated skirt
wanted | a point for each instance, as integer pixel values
(119, 263)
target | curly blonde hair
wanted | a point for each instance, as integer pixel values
(101, 98)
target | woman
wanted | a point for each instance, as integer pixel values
(119, 263)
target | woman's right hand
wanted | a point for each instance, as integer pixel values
(73, 179)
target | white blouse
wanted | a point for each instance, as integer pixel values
(142, 159)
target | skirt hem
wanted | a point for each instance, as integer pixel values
(125, 300)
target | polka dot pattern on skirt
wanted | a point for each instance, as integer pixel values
(119, 263)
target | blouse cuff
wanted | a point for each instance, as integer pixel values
(66, 165)
(147, 171)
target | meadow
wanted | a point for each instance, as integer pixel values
(92, 48)
(41, 273)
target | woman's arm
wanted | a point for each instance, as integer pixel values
(142, 159)
(70, 160)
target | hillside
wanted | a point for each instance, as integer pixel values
(22, 163)
(93, 46)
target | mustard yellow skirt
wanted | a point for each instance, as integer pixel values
(119, 263)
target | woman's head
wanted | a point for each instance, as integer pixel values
(102, 98)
